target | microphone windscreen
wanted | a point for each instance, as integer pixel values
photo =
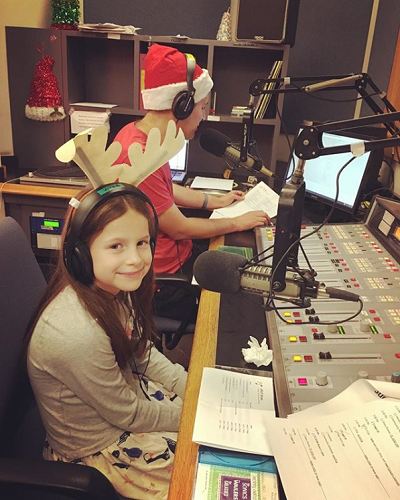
(219, 271)
(214, 142)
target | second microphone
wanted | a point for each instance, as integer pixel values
(220, 145)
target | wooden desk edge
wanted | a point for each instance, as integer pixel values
(34, 190)
(203, 354)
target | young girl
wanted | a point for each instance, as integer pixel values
(107, 398)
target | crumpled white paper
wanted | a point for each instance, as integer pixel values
(258, 354)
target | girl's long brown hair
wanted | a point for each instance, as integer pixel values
(102, 306)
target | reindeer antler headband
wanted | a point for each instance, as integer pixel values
(97, 162)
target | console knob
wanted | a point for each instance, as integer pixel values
(395, 377)
(363, 374)
(321, 378)
(332, 328)
(365, 325)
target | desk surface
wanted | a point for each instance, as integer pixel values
(203, 354)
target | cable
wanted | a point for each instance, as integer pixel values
(1, 190)
(270, 302)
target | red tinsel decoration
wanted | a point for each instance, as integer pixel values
(44, 87)
(64, 26)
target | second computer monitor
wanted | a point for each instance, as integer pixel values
(320, 173)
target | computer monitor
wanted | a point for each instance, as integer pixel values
(357, 178)
(178, 164)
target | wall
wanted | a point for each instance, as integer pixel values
(27, 13)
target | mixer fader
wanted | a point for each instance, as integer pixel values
(314, 362)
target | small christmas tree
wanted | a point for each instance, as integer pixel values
(65, 14)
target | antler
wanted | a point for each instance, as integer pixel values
(97, 162)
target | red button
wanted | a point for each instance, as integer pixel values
(309, 358)
(356, 285)
(341, 260)
(302, 381)
(372, 311)
(347, 269)
(353, 279)
(302, 338)
(397, 355)
(296, 313)
(314, 330)
(387, 335)
(298, 321)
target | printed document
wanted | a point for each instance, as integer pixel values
(232, 411)
(341, 454)
(261, 197)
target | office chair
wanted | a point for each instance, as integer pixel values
(23, 472)
(172, 329)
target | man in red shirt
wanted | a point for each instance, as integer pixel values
(165, 77)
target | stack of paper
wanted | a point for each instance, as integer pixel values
(347, 448)
(212, 183)
(232, 411)
(261, 197)
(109, 28)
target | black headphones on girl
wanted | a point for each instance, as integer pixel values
(77, 258)
(183, 104)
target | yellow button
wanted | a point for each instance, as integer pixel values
(296, 358)
(289, 321)
(292, 339)
(287, 315)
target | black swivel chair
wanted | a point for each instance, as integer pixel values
(172, 329)
(23, 472)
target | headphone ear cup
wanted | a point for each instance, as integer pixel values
(81, 265)
(183, 105)
(152, 247)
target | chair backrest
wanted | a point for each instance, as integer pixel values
(22, 434)
(21, 286)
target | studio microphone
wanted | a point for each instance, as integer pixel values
(219, 144)
(226, 272)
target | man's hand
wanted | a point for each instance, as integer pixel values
(227, 199)
(253, 219)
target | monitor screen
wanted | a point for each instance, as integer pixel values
(320, 173)
(179, 161)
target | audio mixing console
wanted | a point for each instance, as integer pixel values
(313, 362)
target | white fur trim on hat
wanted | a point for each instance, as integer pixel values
(44, 114)
(161, 98)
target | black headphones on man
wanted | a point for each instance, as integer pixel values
(183, 104)
(76, 255)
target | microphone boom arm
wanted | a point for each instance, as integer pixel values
(309, 145)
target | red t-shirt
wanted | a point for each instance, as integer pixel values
(170, 254)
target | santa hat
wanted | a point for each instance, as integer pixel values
(44, 103)
(165, 76)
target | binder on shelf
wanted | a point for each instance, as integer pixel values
(265, 99)
(141, 74)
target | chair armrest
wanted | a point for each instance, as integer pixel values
(71, 480)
